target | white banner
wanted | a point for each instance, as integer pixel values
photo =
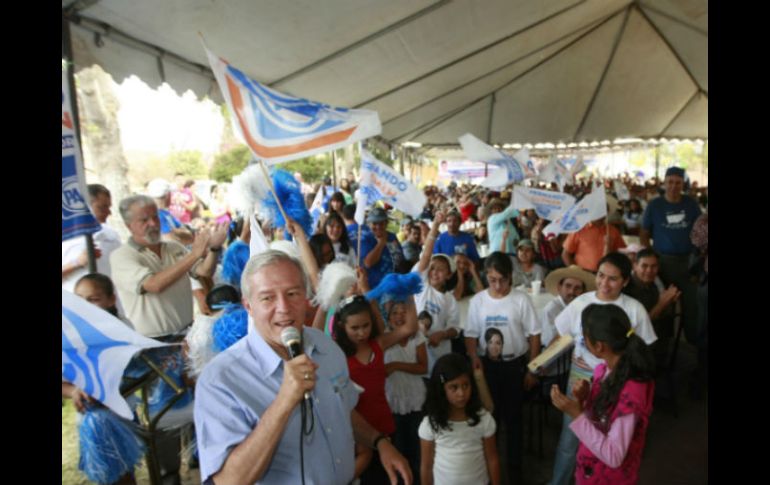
(76, 216)
(547, 204)
(518, 166)
(380, 182)
(555, 172)
(621, 190)
(591, 207)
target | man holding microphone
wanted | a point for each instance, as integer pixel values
(249, 398)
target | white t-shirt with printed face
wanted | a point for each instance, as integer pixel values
(568, 323)
(443, 308)
(513, 315)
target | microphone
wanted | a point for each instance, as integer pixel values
(291, 339)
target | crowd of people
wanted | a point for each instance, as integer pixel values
(392, 385)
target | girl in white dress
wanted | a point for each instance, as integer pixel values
(457, 435)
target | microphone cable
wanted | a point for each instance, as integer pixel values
(305, 431)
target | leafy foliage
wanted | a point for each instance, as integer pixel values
(187, 162)
(230, 163)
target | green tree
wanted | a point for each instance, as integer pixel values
(229, 164)
(187, 162)
(313, 168)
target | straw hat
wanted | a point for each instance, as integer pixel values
(574, 271)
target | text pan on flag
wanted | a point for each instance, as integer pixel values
(518, 166)
(589, 208)
(547, 204)
(96, 347)
(380, 182)
(278, 127)
(76, 217)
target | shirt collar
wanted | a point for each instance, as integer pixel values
(267, 359)
(139, 247)
(135, 244)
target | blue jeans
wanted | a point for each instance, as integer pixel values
(566, 451)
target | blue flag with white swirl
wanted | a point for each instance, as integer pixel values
(76, 217)
(95, 350)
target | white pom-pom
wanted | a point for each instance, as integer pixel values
(287, 247)
(336, 280)
(201, 343)
(249, 188)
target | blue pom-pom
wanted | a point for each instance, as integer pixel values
(235, 259)
(109, 448)
(397, 286)
(231, 327)
(289, 192)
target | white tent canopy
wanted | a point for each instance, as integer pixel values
(505, 70)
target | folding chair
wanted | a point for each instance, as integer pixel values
(149, 424)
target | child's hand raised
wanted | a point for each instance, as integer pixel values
(564, 404)
(580, 390)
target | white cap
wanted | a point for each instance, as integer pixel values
(158, 188)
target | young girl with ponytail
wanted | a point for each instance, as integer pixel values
(610, 416)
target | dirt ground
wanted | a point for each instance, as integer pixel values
(70, 475)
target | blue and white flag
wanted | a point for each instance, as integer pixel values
(380, 182)
(547, 204)
(591, 207)
(518, 167)
(278, 127)
(578, 167)
(621, 190)
(555, 172)
(76, 217)
(95, 350)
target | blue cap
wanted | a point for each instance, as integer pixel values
(679, 172)
(377, 214)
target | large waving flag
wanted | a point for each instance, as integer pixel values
(591, 207)
(76, 217)
(380, 182)
(279, 127)
(517, 167)
(95, 350)
(547, 204)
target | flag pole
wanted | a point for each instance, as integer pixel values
(272, 189)
(607, 224)
(358, 253)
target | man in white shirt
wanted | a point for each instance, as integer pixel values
(74, 257)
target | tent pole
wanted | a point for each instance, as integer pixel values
(334, 168)
(66, 51)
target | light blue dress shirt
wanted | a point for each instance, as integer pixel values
(237, 387)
